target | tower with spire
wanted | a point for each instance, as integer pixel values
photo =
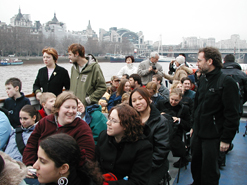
(21, 20)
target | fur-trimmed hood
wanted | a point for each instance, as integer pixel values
(14, 171)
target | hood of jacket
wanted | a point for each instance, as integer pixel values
(89, 110)
(231, 65)
(14, 171)
(185, 68)
(91, 62)
(154, 114)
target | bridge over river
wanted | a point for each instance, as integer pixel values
(240, 54)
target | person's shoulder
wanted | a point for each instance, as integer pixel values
(60, 68)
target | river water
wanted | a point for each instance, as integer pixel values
(27, 73)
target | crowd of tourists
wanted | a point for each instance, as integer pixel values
(88, 132)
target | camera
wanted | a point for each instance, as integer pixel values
(154, 67)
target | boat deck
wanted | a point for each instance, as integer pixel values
(236, 163)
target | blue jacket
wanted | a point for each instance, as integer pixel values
(156, 98)
(114, 100)
(12, 149)
(5, 130)
(14, 107)
(96, 120)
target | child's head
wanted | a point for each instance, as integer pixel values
(28, 116)
(125, 98)
(13, 87)
(47, 101)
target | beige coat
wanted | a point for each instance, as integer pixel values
(14, 171)
(181, 72)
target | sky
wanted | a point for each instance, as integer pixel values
(169, 21)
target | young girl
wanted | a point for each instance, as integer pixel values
(60, 162)
(28, 117)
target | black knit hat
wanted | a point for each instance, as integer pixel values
(229, 58)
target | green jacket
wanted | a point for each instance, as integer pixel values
(89, 84)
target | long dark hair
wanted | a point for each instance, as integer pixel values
(143, 92)
(31, 111)
(120, 89)
(63, 148)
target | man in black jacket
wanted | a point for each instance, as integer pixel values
(230, 67)
(215, 118)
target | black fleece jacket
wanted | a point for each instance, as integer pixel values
(216, 110)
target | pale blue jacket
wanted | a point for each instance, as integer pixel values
(12, 149)
(5, 130)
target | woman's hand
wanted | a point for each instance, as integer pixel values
(191, 132)
(29, 173)
(175, 119)
(38, 96)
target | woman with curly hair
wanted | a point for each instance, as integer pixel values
(123, 149)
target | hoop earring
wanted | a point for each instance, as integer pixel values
(62, 181)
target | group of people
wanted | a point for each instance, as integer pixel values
(121, 134)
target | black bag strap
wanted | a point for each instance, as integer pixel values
(19, 140)
(180, 111)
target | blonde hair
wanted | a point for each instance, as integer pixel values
(152, 85)
(125, 97)
(177, 91)
(45, 96)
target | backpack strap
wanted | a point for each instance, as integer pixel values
(180, 111)
(220, 81)
(19, 140)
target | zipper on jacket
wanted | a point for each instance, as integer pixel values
(215, 124)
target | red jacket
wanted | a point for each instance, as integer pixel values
(78, 129)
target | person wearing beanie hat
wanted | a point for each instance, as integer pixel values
(179, 60)
(181, 71)
(229, 58)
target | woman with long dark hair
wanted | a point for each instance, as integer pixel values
(159, 132)
(60, 162)
(116, 97)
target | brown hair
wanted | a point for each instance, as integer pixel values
(45, 96)
(185, 78)
(14, 82)
(52, 52)
(61, 98)
(31, 111)
(130, 120)
(77, 48)
(158, 77)
(143, 92)
(214, 54)
(152, 85)
(131, 57)
(120, 89)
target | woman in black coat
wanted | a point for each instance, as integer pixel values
(52, 78)
(123, 149)
(181, 117)
(159, 132)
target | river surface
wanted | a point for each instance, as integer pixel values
(27, 73)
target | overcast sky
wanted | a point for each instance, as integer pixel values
(172, 19)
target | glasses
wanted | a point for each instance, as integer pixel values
(112, 120)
